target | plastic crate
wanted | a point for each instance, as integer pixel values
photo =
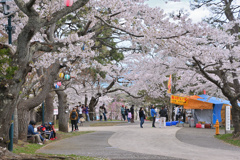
(168, 124)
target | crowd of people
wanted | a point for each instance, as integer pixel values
(128, 114)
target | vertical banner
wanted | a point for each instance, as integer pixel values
(169, 84)
(227, 120)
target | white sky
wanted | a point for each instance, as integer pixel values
(196, 15)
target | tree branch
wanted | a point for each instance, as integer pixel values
(120, 89)
(66, 10)
(205, 74)
(117, 27)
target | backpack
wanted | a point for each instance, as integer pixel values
(73, 116)
(42, 129)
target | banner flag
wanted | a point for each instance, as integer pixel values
(169, 84)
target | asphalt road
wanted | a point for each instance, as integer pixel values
(132, 142)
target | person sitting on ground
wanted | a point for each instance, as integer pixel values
(46, 130)
(37, 136)
(53, 131)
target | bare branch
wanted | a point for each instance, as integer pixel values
(117, 27)
(120, 89)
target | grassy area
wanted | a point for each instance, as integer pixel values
(28, 150)
(106, 124)
(228, 139)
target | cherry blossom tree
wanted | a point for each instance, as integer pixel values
(132, 21)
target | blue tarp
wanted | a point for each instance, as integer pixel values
(217, 106)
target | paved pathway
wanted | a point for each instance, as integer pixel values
(133, 142)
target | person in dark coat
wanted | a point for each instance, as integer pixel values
(132, 111)
(141, 116)
(126, 113)
(163, 116)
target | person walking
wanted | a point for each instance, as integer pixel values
(123, 112)
(100, 113)
(126, 113)
(163, 116)
(80, 112)
(87, 113)
(73, 118)
(77, 110)
(141, 116)
(153, 114)
(104, 112)
(84, 112)
(132, 112)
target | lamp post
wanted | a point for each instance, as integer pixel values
(9, 29)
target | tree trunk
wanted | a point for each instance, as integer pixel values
(235, 118)
(33, 115)
(26, 105)
(63, 111)
(92, 105)
(15, 134)
(23, 121)
(7, 105)
(86, 100)
(48, 112)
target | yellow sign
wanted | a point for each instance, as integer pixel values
(178, 100)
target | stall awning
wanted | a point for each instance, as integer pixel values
(196, 104)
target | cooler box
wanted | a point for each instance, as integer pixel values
(174, 122)
(168, 124)
(198, 125)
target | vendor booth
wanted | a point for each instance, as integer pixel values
(207, 109)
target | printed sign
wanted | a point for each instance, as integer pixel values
(178, 100)
(227, 118)
(55, 112)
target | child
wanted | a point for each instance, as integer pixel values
(53, 131)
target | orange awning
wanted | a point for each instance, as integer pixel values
(193, 103)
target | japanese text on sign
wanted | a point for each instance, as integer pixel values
(178, 100)
(227, 119)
